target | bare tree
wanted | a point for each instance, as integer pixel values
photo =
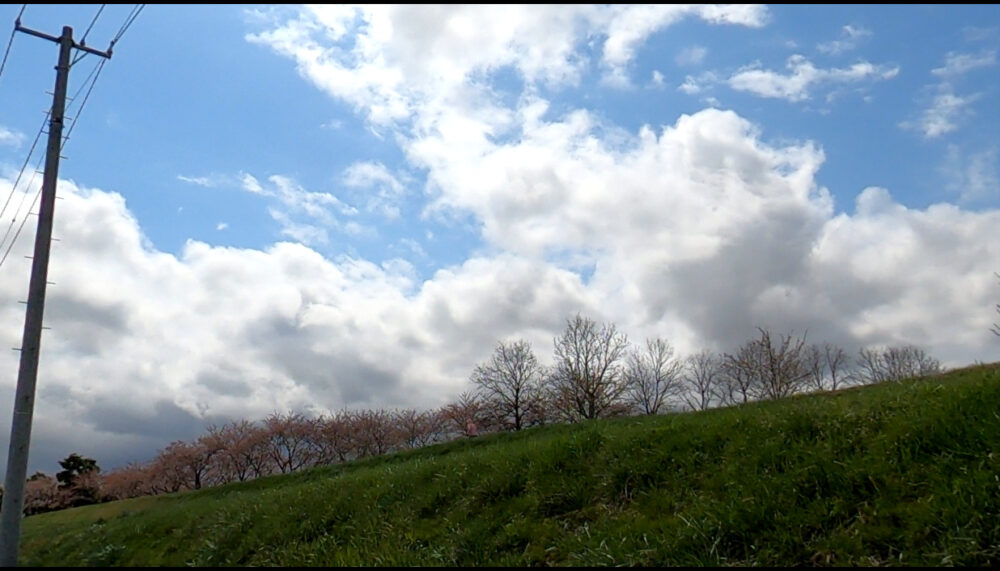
(767, 368)
(509, 381)
(837, 365)
(652, 376)
(741, 374)
(785, 372)
(826, 363)
(894, 364)
(701, 376)
(812, 357)
(586, 379)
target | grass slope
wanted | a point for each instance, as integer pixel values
(896, 474)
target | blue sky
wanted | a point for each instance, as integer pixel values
(327, 207)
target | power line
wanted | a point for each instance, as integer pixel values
(128, 22)
(96, 72)
(19, 228)
(25, 165)
(17, 22)
(83, 40)
(76, 95)
(17, 212)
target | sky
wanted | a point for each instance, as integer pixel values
(272, 209)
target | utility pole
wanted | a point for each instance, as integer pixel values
(12, 508)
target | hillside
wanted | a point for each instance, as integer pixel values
(892, 474)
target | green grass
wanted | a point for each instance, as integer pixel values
(897, 474)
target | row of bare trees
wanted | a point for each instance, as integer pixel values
(769, 367)
(595, 373)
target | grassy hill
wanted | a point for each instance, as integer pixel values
(896, 474)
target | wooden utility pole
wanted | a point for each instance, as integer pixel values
(12, 508)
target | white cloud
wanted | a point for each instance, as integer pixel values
(802, 77)
(221, 226)
(694, 85)
(304, 215)
(198, 180)
(657, 78)
(385, 191)
(405, 57)
(10, 138)
(946, 109)
(959, 64)
(693, 55)
(250, 184)
(893, 257)
(314, 204)
(944, 113)
(629, 26)
(850, 37)
(974, 176)
(413, 247)
(978, 34)
(667, 219)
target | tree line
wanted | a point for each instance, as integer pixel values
(596, 373)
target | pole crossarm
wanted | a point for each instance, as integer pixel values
(75, 45)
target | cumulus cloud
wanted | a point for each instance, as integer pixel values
(802, 76)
